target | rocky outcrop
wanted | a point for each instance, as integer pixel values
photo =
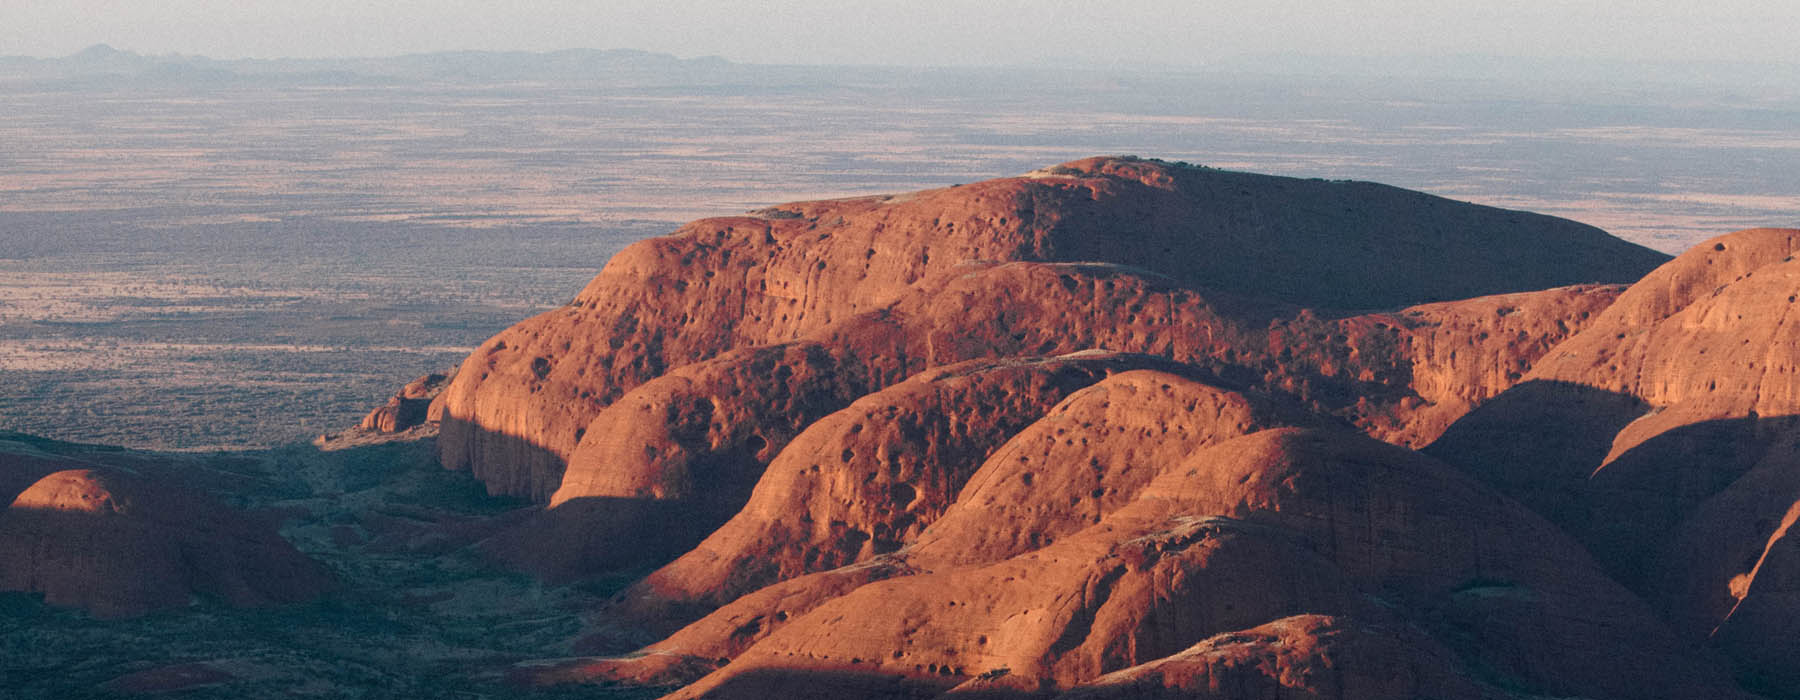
(1248, 531)
(705, 431)
(1705, 330)
(411, 406)
(524, 399)
(686, 449)
(1090, 456)
(1053, 618)
(1460, 354)
(865, 481)
(117, 546)
(689, 446)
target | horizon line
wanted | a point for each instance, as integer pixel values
(1230, 62)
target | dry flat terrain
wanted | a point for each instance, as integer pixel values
(205, 258)
(259, 334)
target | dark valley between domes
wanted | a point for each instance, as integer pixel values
(1116, 428)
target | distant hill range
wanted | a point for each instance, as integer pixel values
(105, 62)
(629, 66)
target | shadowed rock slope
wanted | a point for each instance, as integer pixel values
(1665, 437)
(519, 408)
(24, 459)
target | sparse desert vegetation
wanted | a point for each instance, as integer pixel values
(412, 612)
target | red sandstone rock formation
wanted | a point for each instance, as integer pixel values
(521, 401)
(1086, 459)
(678, 455)
(1728, 574)
(1088, 456)
(1663, 436)
(408, 407)
(1459, 354)
(1684, 382)
(117, 546)
(954, 532)
(865, 481)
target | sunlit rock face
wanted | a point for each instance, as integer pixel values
(869, 479)
(519, 409)
(117, 545)
(677, 456)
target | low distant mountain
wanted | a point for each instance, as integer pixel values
(644, 67)
(103, 62)
(1492, 68)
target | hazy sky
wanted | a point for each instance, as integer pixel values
(920, 32)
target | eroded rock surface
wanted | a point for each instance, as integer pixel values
(1250, 530)
(1091, 455)
(678, 455)
(865, 481)
(1148, 420)
(523, 398)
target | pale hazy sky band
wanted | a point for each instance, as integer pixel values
(921, 32)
